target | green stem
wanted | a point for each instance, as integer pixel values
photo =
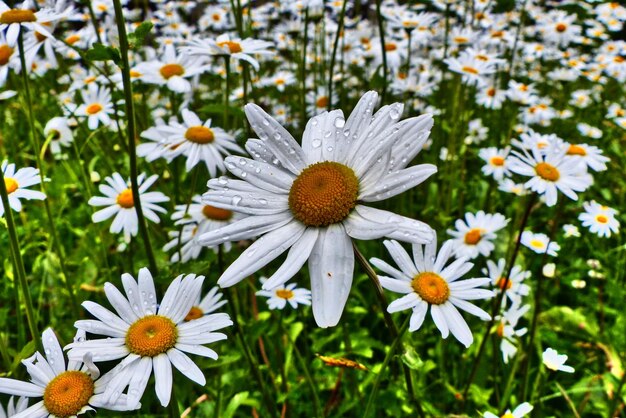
(388, 357)
(172, 409)
(226, 92)
(132, 133)
(18, 264)
(303, 68)
(381, 33)
(333, 55)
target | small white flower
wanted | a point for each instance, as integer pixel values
(599, 219)
(16, 183)
(540, 243)
(279, 296)
(555, 361)
(474, 236)
(520, 411)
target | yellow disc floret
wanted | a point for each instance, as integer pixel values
(216, 214)
(233, 47)
(68, 393)
(473, 236)
(5, 53)
(17, 16)
(323, 194)
(284, 294)
(125, 199)
(194, 313)
(200, 135)
(151, 335)
(547, 171)
(170, 70)
(431, 287)
(11, 184)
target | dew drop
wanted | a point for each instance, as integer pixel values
(236, 199)
(340, 122)
(316, 143)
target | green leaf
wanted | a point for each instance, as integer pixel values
(137, 38)
(100, 52)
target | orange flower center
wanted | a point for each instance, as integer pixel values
(170, 70)
(431, 287)
(491, 92)
(93, 108)
(233, 47)
(284, 294)
(561, 27)
(216, 214)
(547, 172)
(504, 284)
(497, 161)
(200, 135)
(11, 184)
(322, 102)
(602, 219)
(468, 69)
(5, 53)
(473, 236)
(17, 16)
(72, 39)
(68, 393)
(194, 313)
(151, 335)
(125, 199)
(390, 47)
(576, 150)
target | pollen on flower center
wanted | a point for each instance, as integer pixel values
(576, 150)
(68, 393)
(473, 236)
(284, 294)
(561, 27)
(468, 69)
(537, 244)
(508, 415)
(547, 171)
(194, 313)
(322, 102)
(11, 184)
(125, 199)
(200, 135)
(93, 108)
(151, 335)
(170, 70)
(216, 214)
(233, 47)
(504, 284)
(17, 16)
(390, 47)
(602, 219)
(497, 161)
(323, 194)
(431, 287)
(5, 53)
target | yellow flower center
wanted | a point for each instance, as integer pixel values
(93, 108)
(200, 135)
(602, 219)
(216, 214)
(431, 287)
(170, 70)
(151, 335)
(194, 313)
(390, 47)
(508, 415)
(473, 236)
(497, 161)
(322, 102)
(233, 47)
(17, 16)
(547, 171)
(491, 92)
(500, 330)
(11, 184)
(72, 39)
(537, 244)
(125, 199)
(561, 27)
(135, 74)
(461, 39)
(576, 150)
(68, 393)
(468, 69)
(323, 194)
(284, 294)
(504, 284)
(5, 53)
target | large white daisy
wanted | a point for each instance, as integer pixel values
(310, 198)
(146, 337)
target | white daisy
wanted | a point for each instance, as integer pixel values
(14, 408)
(570, 231)
(497, 164)
(147, 336)
(314, 201)
(555, 361)
(243, 50)
(507, 331)
(118, 197)
(426, 282)
(599, 219)
(514, 289)
(540, 243)
(279, 296)
(171, 70)
(12, 20)
(520, 411)
(59, 132)
(474, 236)
(209, 303)
(17, 183)
(67, 390)
(97, 106)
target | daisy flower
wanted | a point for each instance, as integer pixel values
(520, 411)
(59, 132)
(242, 50)
(210, 303)
(314, 202)
(590, 155)
(118, 197)
(147, 336)
(14, 408)
(472, 68)
(555, 361)
(540, 243)
(599, 219)
(198, 141)
(474, 236)
(8, 58)
(496, 162)
(13, 20)
(551, 170)
(570, 231)
(68, 389)
(507, 332)
(515, 289)
(97, 106)
(171, 70)
(279, 296)
(187, 239)
(426, 282)
(17, 183)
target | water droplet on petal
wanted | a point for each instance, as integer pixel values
(236, 200)
(340, 122)
(316, 143)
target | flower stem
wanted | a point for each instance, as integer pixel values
(226, 91)
(131, 131)
(333, 55)
(303, 68)
(18, 265)
(383, 50)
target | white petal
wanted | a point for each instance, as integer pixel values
(266, 176)
(53, 351)
(245, 228)
(296, 257)
(186, 366)
(440, 320)
(19, 388)
(162, 378)
(398, 182)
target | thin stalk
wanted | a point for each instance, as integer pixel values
(390, 354)
(333, 55)
(172, 409)
(18, 265)
(389, 321)
(56, 244)
(383, 50)
(303, 68)
(498, 305)
(518, 31)
(226, 92)
(568, 400)
(131, 130)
